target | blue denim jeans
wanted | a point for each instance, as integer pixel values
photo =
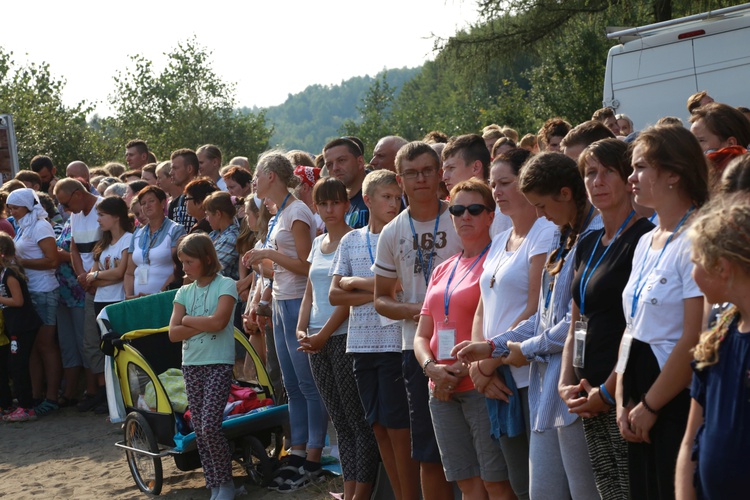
(308, 419)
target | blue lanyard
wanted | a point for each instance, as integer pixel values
(560, 252)
(653, 216)
(274, 220)
(448, 292)
(586, 276)
(148, 241)
(638, 286)
(427, 271)
(369, 246)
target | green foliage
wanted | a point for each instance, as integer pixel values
(186, 105)
(374, 114)
(568, 81)
(43, 124)
(311, 118)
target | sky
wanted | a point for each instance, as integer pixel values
(269, 49)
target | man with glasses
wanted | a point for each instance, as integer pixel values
(344, 161)
(184, 169)
(409, 248)
(85, 232)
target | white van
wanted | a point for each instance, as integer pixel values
(657, 67)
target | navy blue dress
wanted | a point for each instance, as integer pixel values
(722, 443)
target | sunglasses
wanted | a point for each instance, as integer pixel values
(474, 210)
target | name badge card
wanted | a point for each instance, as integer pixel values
(446, 340)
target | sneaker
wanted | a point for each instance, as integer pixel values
(20, 415)
(294, 468)
(310, 473)
(46, 407)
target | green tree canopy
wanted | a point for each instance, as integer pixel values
(43, 124)
(185, 105)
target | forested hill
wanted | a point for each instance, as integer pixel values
(307, 120)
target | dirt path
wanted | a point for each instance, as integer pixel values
(71, 455)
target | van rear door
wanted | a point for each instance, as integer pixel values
(722, 65)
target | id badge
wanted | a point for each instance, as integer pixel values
(622, 361)
(446, 340)
(579, 344)
(141, 274)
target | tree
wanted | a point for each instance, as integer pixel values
(374, 114)
(43, 124)
(186, 105)
(506, 27)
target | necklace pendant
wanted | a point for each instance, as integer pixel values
(492, 281)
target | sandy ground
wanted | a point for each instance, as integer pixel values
(71, 455)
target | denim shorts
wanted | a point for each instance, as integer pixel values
(45, 305)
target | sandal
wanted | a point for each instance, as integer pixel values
(20, 415)
(45, 408)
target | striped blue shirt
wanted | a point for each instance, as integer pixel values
(543, 347)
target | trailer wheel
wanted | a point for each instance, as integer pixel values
(146, 470)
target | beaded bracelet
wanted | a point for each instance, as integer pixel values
(647, 407)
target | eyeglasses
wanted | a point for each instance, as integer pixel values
(413, 174)
(474, 210)
(66, 205)
(189, 198)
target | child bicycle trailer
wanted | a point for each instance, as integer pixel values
(143, 375)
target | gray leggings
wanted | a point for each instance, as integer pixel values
(559, 463)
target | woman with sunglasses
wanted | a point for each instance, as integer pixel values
(459, 414)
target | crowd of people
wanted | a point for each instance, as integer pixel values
(561, 315)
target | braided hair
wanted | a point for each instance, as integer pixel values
(546, 174)
(720, 231)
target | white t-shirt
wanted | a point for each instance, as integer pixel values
(160, 264)
(397, 257)
(27, 247)
(320, 277)
(508, 297)
(366, 333)
(110, 259)
(85, 231)
(286, 284)
(221, 184)
(659, 316)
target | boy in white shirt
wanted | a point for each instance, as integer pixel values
(409, 248)
(373, 341)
